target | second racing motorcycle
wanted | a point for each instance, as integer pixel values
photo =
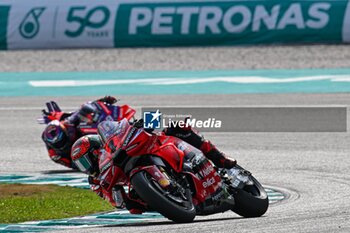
(168, 175)
(105, 111)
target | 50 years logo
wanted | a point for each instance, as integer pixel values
(95, 18)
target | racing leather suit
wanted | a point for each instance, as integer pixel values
(62, 155)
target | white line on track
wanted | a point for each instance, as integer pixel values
(188, 80)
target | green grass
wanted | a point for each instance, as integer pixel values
(20, 202)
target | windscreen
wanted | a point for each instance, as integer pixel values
(108, 129)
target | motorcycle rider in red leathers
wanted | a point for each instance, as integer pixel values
(86, 151)
(59, 136)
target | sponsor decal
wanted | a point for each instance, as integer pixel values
(30, 25)
(215, 20)
(209, 182)
(95, 18)
(206, 170)
(105, 167)
(218, 195)
(132, 147)
(230, 21)
(129, 136)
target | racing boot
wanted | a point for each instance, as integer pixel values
(209, 150)
(133, 206)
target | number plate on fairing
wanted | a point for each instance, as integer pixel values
(238, 177)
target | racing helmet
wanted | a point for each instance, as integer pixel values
(88, 113)
(85, 152)
(55, 135)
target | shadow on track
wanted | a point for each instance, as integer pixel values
(169, 222)
(49, 172)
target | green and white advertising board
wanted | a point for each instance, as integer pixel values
(128, 23)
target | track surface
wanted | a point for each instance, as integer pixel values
(314, 165)
(272, 57)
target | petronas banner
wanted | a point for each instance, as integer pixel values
(230, 22)
(127, 23)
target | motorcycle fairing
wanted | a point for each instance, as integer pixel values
(176, 152)
(205, 180)
(125, 111)
(110, 175)
(172, 155)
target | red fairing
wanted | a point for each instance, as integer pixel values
(111, 175)
(55, 116)
(125, 111)
(207, 181)
(142, 143)
(170, 153)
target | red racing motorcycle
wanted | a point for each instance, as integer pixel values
(166, 174)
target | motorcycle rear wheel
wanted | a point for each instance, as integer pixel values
(156, 198)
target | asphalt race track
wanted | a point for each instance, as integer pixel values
(312, 168)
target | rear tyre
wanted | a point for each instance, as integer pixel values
(160, 200)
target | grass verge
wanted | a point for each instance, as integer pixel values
(21, 202)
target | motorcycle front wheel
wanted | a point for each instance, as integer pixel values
(251, 201)
(177, 207)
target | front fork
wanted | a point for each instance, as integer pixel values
(157, 173)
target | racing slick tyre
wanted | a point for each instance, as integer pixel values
(251, 201)
(170, 205)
